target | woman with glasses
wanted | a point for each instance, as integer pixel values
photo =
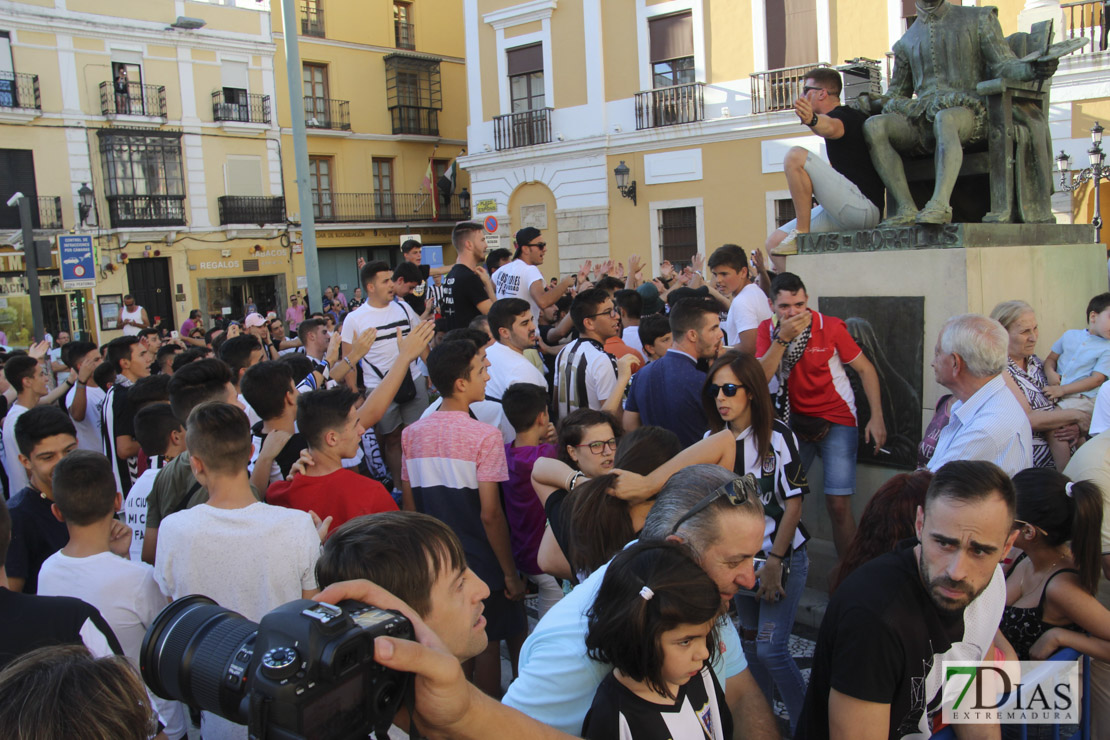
(1050, 589)
(746, 437)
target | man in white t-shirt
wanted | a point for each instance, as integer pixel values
(28, 377)
(382, 312)
(247, 556)
(511, 324)
(162, 437)
(522, 278)
(749, 307)
(85, 400)
(631, 305)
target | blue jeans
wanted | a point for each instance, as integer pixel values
(838, 453)
(768, 655)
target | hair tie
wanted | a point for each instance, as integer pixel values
(646, 593)
(1067, 489)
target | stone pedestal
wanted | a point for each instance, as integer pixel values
(957, 268)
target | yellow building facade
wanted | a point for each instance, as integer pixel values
(695, 98)
(385, 106)
(165, 112)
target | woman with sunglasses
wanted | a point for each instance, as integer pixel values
(1050, 590)
(746, 437)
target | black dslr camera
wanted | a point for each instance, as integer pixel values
(306, 672)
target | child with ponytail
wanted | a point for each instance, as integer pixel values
(655, 621)
(1050, 589)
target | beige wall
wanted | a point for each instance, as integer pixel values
(568, 54)
(618, 23)
(530, 194)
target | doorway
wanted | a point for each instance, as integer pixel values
(148, 281)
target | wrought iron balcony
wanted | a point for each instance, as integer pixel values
(251, 209)
(19, 90)
(668, 106)
(138, 100)
(327, 113)
(383, 207)
(241, 107)
(410, 119)
(312, 18)
(777, 89)
(50, 212)
(405, 34)
(1086, 20)
(526, 128)
(146, 210)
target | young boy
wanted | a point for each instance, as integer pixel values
(27, 377)
(749, 304)
(1080, 360)
(525, 406)
(330, 423)
(247, 556)
(451, 467)
(44, 436)
(90, 568)
(655, 335)
(269, 389)
(162, 437)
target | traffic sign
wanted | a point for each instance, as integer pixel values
(75, 253)
(491, 224)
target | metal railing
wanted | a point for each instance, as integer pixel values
(50, 212)
(405, 34)
(777, 89)
(668, 106)
(379, 207)
(312, 18)
(327, 113)
(411, 119)
(146, 210)
(19, 90)
(139, 100)
(1086, 20)
(526, 128)
(242, 107)
(251, 209)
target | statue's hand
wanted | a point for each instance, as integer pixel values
(872, 103)
(1043, 69)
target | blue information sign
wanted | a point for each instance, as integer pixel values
(78, 263)
(431, 256)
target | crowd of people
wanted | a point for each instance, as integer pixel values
(634, 451)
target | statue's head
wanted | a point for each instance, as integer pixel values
(930, 4)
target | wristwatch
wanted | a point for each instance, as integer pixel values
(812, 121)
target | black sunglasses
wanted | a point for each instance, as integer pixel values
(737, 491)
(806, 90)
(730, 389)
(541, 245)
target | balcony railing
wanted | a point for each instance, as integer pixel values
(251, 209)
(19, 90)
(409, 119)
(312, 18)
(522, 129)
(1086, 20)
(667, 106)
(146, 210)
(241, 107)
(777, 89)
(406, 35)
(389, 207)
(50, 212)
(327, 113)
(138, 100)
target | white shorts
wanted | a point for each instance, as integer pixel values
(842, 206)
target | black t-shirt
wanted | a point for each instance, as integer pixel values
(418, 296)
(558, 516)
(882, 641)
(118, 420)
(463, 290)
(36, 535)
(289, 454)
(850, 156)
(30, 622)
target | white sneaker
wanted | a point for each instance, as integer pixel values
(787, 246)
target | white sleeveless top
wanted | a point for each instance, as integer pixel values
(135, 314)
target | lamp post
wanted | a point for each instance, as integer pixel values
(626, 188)
(1096, 173)
(464, 202)
(30, 262)
(85, 206)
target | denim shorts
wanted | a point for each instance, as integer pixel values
(838, 456)
(842, 206)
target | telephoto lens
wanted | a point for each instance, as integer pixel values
(306, 671)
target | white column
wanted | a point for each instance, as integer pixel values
(1036, 11)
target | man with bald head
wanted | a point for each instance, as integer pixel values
(987, 421)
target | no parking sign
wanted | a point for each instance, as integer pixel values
(491, 224)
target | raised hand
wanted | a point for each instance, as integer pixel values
(362, 344)
(413, 345)
(666, 270)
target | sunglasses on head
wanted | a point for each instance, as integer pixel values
(730, 389)
(737, 491)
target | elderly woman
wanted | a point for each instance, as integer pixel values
(1027, 372)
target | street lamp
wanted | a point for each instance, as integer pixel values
(84, 208)
(1096, 172)
(464, 202)
(627, 189)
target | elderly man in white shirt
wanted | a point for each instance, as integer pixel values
(987, 421)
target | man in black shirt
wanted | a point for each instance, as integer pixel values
(467, 289)
(890, 627)
(420, 295)
(849, 192)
